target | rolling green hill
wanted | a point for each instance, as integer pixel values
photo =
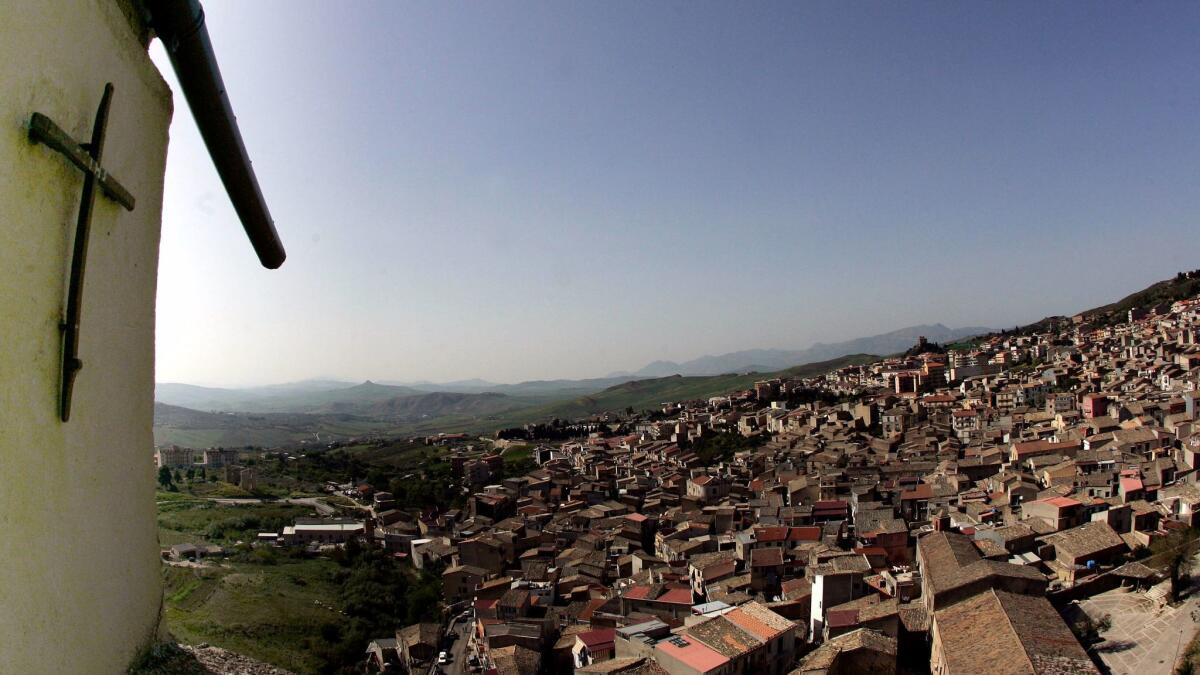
(435, 404)
(346, 400)
(1183, 285)
(198, 429)
(301, 397)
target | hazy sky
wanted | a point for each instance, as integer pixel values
(524, 190)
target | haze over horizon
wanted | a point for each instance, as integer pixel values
(739, 361)
(541, 191)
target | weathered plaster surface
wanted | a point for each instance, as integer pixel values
(79, 576)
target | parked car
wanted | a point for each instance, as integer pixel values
(443, 658)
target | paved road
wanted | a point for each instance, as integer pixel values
(458, 652)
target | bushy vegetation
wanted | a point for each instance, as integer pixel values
(804, 396)
(377, 595)
(1174, 554)
(165, 658)
(1189, 663)
(320, 466)
(554, 430)
(431, 486)
(198, 520)
(723, 446)
(309, 615)
(1184, 285)
(1088, 630)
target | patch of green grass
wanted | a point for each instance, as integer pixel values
(200, 520)
(398, 454)
(341, 501)
(263, 611)
(188, 587)
(517, 453)
(203, 488)
(162, 496)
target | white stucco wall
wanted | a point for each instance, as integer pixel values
(79, 573)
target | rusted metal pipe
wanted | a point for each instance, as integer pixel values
(180, 26)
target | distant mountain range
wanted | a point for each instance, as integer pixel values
(375, 398)
(296, 397)
(768, 360)
(386, 399)
(323, 409)
(371, 398)
(321, 415)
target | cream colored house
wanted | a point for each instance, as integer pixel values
(79, 556)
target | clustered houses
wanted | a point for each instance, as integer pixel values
(934, 516)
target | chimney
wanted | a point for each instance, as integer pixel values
(941, 521)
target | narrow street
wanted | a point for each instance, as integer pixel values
(458, 651)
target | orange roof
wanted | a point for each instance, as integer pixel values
(1046, 447)
(637, 593)
(807, 533)
(745, 620)
(677, 596)
(591, 608)
(767, 534)
(922, 491)
(692, 653)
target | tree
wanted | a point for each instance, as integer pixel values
(1087, 629)
(164, 476)
(1175, 553)
(721, 447)
(375, 597)
(191, 473)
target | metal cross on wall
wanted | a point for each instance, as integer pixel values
(86, 157)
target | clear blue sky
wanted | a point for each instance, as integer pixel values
(533, 190)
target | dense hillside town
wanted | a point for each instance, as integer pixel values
(945, 510)
(613, 271)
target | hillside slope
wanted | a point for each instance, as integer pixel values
(1182, 285)
(444, 411)
(199, 429)
(649, 394)
(768, 360)
(435, 404)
